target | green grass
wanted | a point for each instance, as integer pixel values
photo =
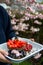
(24, 63)
(31, 62)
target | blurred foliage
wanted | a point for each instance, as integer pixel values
(18, 15)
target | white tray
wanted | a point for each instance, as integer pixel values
(36, 48)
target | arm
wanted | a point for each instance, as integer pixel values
(10, 32)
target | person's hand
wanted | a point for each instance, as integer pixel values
(38, 55)
(2, 56)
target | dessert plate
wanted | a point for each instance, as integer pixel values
(36, 47)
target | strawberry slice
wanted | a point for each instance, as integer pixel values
(28, 47)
